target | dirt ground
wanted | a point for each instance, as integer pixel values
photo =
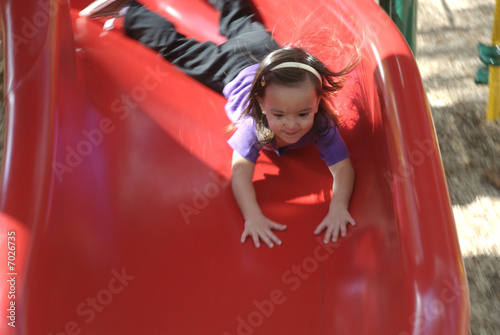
(448, 32)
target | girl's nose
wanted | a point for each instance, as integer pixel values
(291, 123)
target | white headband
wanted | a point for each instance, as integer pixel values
(299, 66)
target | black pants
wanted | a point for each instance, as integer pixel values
(213, 65)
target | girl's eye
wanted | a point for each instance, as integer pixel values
(303, 114)
(278, 115)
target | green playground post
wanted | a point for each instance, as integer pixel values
(404, 15)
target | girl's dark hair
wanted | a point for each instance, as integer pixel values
(332, 82)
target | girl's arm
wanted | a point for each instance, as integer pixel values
(256, 224)
(338, 215)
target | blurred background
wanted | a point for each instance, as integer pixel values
(447, 37)
(448, 32)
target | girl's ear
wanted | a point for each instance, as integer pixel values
(319, 103)
(261, 104)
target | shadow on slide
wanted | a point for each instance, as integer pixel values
(116, 213)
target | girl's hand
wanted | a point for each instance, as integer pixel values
(335, 222)
(260, 227)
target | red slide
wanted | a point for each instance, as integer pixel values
(116, 214)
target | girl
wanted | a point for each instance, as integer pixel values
(277, 100)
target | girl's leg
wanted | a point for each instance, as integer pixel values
(211, 64)
(248, 40)
(205, 62)
(235, 16)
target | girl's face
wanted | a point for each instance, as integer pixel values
(290, 110)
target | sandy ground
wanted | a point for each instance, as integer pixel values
(448, 32)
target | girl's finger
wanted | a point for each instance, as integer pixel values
(319, 228)
(256, 241)
(335, 234)
(278, 226)
(266, 240)
(328, 235)
(244, 236)
(343, 230)
(274, 238)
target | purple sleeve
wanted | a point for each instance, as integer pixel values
(244, 140)
(332, 147)
(237, 91)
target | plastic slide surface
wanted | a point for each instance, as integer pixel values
(116, 211)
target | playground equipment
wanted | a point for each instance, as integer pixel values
(494, 70)
(404, 15)
(114, 197)
(490, 72)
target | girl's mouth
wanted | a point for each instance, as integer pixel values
(291, 134)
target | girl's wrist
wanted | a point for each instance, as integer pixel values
(336, 205)
(252, 213)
